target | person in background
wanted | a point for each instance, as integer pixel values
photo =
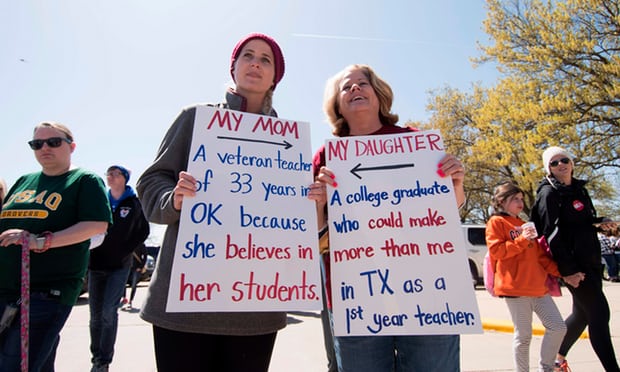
(110, 263)
(218, 341)
(563, 212)
(326, 323)
(138, 267)
(608, 248)
(357, 102)
(55, 211)
(521, 269)
(3, 190)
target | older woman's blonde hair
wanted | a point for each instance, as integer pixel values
(3, 191)
(340, 127)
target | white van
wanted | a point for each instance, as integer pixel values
(476, 249)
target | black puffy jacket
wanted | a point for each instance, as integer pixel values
(129, 228)
(565, 215)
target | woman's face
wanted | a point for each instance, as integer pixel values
(356, 95)
(254, 68)
(561, 167)
(513, 205)
(53, 159)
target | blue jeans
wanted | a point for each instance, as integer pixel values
(47, 317)
(327, 323)
(105, 289)
(133, 279)
(439, 353)
(612, 261)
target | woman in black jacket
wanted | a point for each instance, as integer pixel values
(138, 267)
(564, 214)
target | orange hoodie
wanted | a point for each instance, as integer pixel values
(521, 265)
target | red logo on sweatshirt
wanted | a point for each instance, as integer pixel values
(578, 205)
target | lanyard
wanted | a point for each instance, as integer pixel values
(25, 300)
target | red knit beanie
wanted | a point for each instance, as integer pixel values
(275, 49)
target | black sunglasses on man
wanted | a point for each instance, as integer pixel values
(37, 144)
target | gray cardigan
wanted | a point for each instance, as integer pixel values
(155, 190)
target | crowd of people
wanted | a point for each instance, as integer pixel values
(609, 237)
(50, 217)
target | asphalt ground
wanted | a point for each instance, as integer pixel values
(299, 347)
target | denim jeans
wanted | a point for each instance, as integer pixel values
(47, 317)
(612, 261)
(105, 289)
(133, 279)
(428, 353)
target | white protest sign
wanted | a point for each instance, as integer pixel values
(248, 240)
(398, 259)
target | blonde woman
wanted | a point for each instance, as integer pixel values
(358, 102)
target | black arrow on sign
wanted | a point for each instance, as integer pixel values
(358, 168)
(286, 144)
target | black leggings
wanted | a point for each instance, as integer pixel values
(182, 351)
(591, 309)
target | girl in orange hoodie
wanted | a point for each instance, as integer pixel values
(521, 268)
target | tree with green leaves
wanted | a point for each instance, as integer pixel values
(560, 85)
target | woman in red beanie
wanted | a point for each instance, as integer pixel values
(215, 341)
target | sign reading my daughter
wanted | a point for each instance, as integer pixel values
(248, 240)
(398, 259)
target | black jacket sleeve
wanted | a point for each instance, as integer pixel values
(546, 216)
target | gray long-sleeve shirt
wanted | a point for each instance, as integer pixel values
(155, 188)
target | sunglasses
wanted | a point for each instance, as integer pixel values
(37, 144)
(555, 163)
(114, 173)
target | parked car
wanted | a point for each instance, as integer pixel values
(150, 267)
(151, 260)
(84, 284)
(476, 246)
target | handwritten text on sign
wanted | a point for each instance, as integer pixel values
(398, 260)
(248, 240)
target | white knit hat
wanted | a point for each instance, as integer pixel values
(550, 153)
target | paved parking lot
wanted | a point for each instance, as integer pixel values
(299, 347)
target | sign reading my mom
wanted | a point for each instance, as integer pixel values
(398, 259)
(248, 240)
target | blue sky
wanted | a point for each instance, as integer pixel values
(118, 72)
